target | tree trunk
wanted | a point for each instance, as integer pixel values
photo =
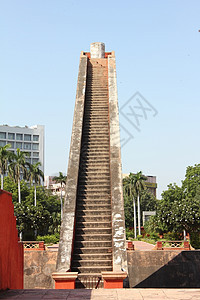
(2, 181)
(19, 191)
(35, 196)
(139, 225)
(61, 204)
(135, 224)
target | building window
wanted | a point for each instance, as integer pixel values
(27, 137)
(2, 143)
(35, 154)
(35, 146)
(12, 144)
(2, 135)
(27, 146)
(19, 145)
(35, 160)
(19, 136)
(28, 160)
(11, 136)
(36, 138)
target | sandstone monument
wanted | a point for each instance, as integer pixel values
(92, 240)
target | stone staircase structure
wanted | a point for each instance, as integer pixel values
(93, 231)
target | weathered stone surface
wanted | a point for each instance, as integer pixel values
(38, 269)
(118, 221)
(146, 269)
(164, 268)
(67, 226)
(97, 50)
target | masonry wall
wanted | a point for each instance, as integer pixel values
(11, 251)
(146, 269)
(166, 269)
(38, 267)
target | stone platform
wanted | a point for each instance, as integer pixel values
(101, 294)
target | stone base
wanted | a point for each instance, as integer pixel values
(113, 280)
(65, 280)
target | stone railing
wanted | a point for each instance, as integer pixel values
(172, 245)
(33, 245)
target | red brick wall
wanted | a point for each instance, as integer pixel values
(11, 251)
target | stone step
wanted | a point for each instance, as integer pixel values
(92, 182)
(93, 225)
(93, 244)
(93, 206)
(93, 201)
(95, 147)
(92, 256)
(96, 197)
(95, 159)
(93, 193)
(94, 188)
(93, 230)
(93, 213)
(94, 175)
(98, 269)
(96, 138)
(96, 250)
(93, 218)
(86, 167)
(93, 237)
(94, 131)
(94, 152)
(92, 263)
(96, 123)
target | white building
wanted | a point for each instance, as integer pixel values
(49, 183)
(29, 139)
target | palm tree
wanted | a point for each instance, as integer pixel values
(62, 180)
(18, 167)
(135, 184)
(35, 175)
(129, 183)
(138, 186)
(5, 156)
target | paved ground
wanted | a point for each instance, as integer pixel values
(103, 294)
(142, 246)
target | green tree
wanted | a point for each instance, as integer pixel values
(179, 208)
(45, 218)
(18, 167)
(62, 180)
(130, 207)
(165, 219)
(135, 183)
(192, 180)
(35, 176)
(5, 156)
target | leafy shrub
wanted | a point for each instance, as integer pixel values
(129, 234)
(139, 237)
(172, 236)
(49, 239)
(195, 239)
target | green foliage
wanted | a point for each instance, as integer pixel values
(179, 208)
(192, 180)
(129, 234)
(139, 237)
(49, 239)
(195, 239)
(43, 218)
(172, 236)
(147, 203)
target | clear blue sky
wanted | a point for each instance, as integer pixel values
(157, 46)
